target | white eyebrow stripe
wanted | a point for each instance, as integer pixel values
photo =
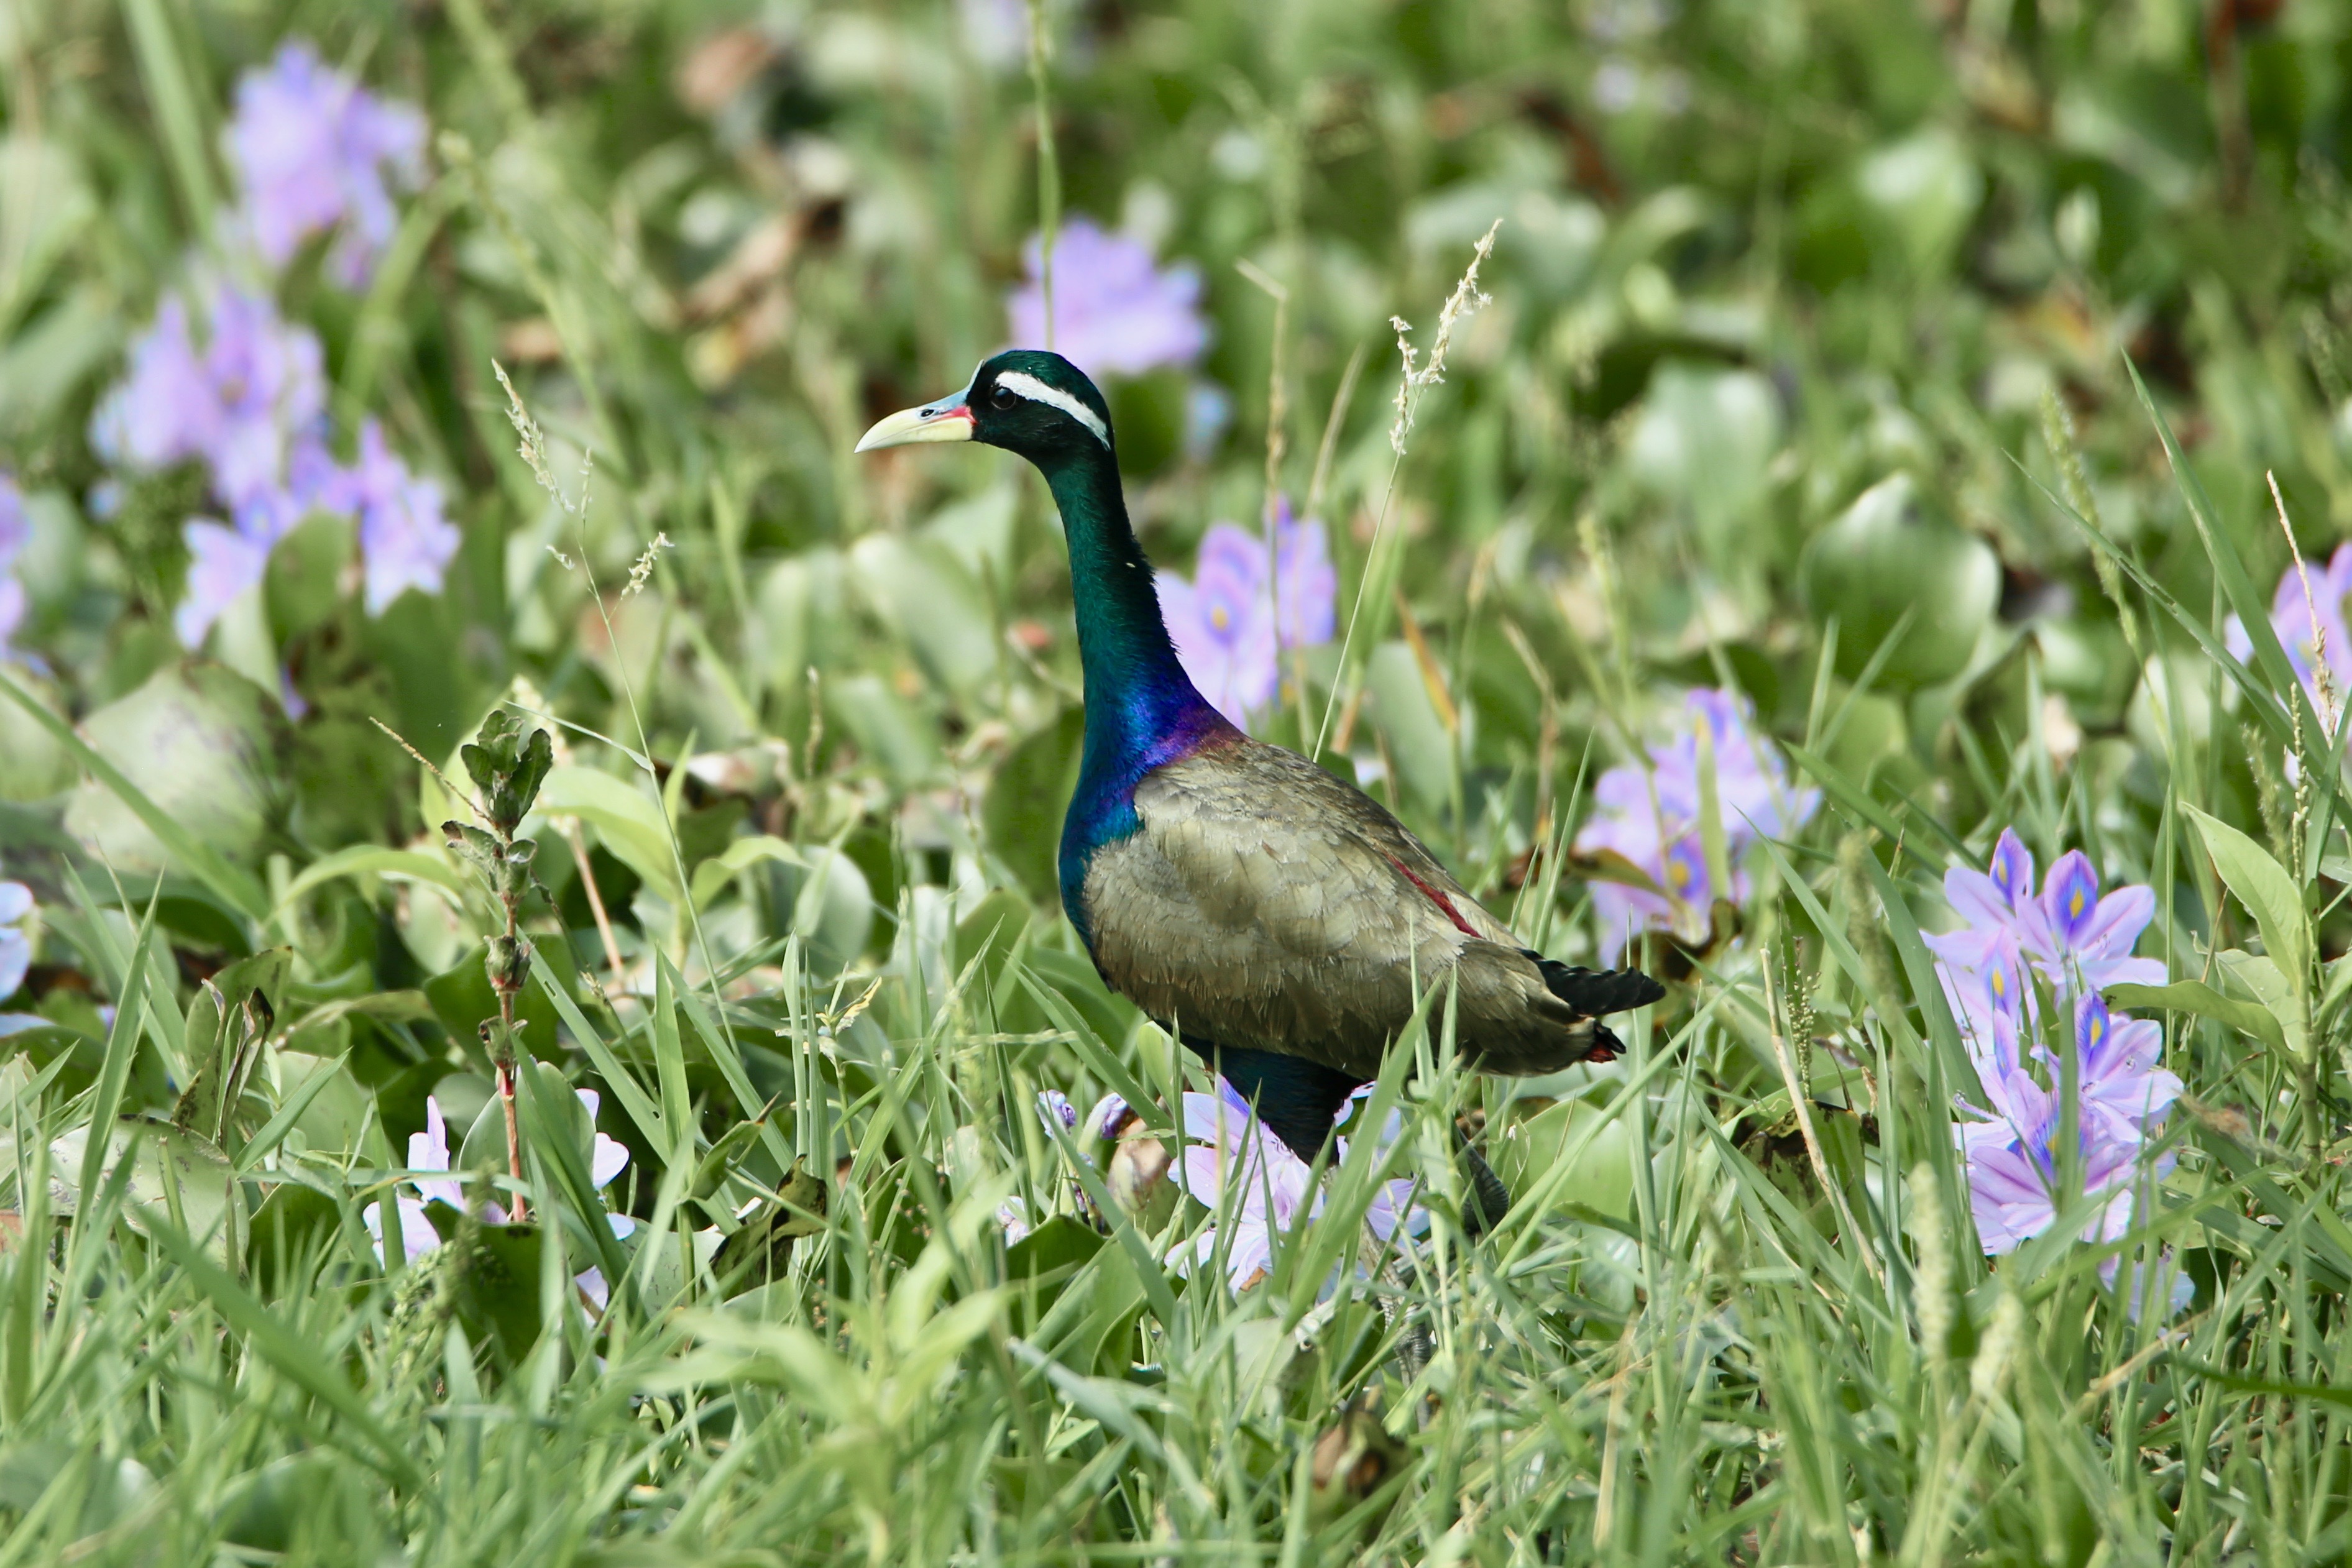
(1036, 391)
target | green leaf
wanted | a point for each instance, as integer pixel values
(2198, 998)
(232, 886)
(1021, 816)
(615, 1074)
(2283, 995)
(2264, 888)
(629, 822)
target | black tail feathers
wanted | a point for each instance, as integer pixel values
(1596, 993)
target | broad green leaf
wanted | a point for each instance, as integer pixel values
(228, 882)
(2264, 888)
(373, 859)
(2196, 996)
(2283, 996)
(1022, 815)
(629, 821)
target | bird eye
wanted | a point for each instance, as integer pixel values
(1002, 397)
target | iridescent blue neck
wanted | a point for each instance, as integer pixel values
(1137, 695)
(1143, 709)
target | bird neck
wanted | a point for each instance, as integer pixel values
(1140, 701)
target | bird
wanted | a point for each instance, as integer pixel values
(1276, 919)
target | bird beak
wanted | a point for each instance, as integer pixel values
(946, 420)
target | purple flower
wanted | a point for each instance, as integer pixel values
(311, 148)
(2071, 942)
(15, 947)
(1648, 815)
(1053, 1106)
(2300, 633)
(429, 1151)
(2077, 941)
(164, 411)
(1227, 1146)
(256, 390)
(1224, 634)
(1230, 623)
(2012, 1163)
(1109, 1117)
(223, 562)
(404, 539)
(16, 533)
(1115, 313)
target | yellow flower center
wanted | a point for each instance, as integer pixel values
(1220, 618)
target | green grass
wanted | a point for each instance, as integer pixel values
(813, 767)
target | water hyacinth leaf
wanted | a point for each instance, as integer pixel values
(373, 859)
(559, 1132)
(1597, 1148)
(336, 1111)
(291, 1109)
(829, 902)
(2264, 888)
(181, 845)
(2197, 997)
(1046, 1258)
(1704, 442)
(291, 1221)
(885, 727)
(1022, 814)
(166, 1176)
(1922, 191)
(1890, 566)
(627, 821)
(497, 1282)
(33, 763)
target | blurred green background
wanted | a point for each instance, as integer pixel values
(1802, 313)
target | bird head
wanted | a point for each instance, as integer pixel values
(1028, 402)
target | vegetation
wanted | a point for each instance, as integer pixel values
(1882, 449)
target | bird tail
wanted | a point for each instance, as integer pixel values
(1595, 993)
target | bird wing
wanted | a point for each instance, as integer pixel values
(1265, 904)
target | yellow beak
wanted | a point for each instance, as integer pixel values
(946, 420)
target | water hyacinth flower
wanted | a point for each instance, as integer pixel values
(251, 408)
(1649, 815)
(1116, 313)
(404, 539)
(429, 1151)
(2068, 941)
(1226, 1146)
(2307, 610)
(312, 151)
(2074, 938)
(223, 562)
(1245, 604)
(15, 944)
(239, 405)
(16, 533)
